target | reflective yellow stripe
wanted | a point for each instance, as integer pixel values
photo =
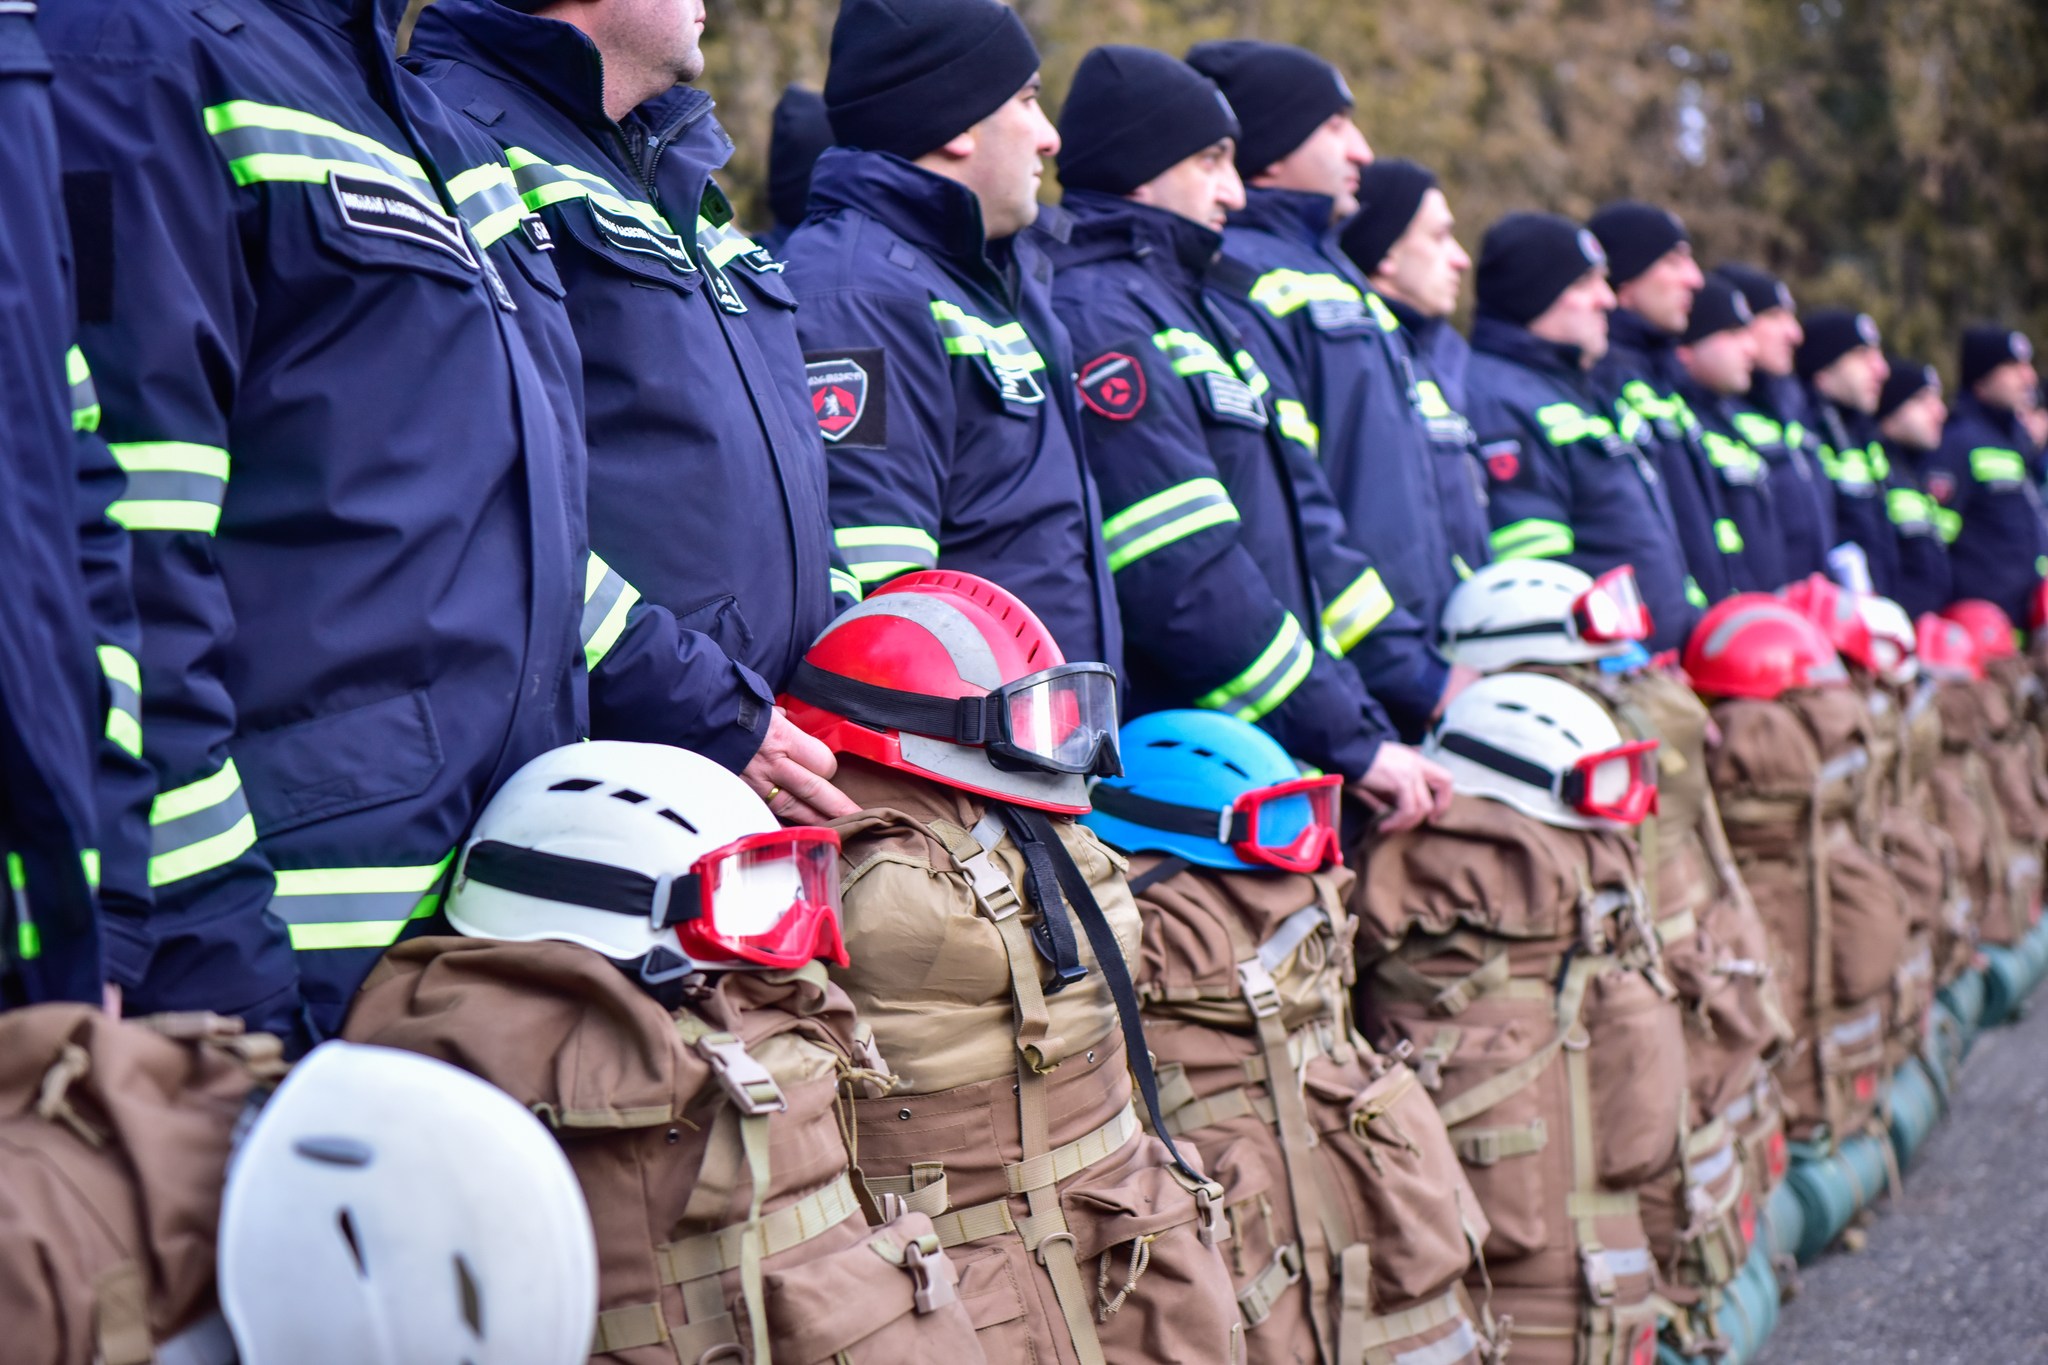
(1006, 345)
(1989, 464)
(878, 553)
(1565, 423)
(1295, 425)
(238, 114)
(844, 584)
(199, 826)
(1190, 352)
(89, 860)
(1532, 538)
(487, 198)
(1949, 523)
(1727, 536)
(1356, 610)
(124, 697)
(355, 907)
(1430, 400)
(172, 486)
(607, 601)
(85, 398)
(1165, 517)
(1281, 292)
(1270, 680)
(1381, 314)
(1694, 595)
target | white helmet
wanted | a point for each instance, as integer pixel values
(1892, 639)
(1546, 748)
(389, 1209)
(648, 853)
(1523, 611)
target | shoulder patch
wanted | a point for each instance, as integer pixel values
(641, 239)
(1941, 485)
(849, 395)
(1503, 460)
(1113, 386)
(381, 208)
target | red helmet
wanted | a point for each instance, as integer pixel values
(948, 676)
(1825, 603)
(1947, 650)
(1753, 645)
(1988, 625)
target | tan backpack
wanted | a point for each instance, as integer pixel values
(1012, 1123)
(114, 1143)
(1352, 1224)
(1518, 962)
(1791, 778)
(1958, 800)
(708, 1143)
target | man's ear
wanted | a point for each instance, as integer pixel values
(960, 147)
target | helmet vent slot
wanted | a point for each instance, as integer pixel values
(575, 784)
(629, 796)
(472, 1296)
(674, 818)
(347, 1222)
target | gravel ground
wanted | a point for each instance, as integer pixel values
(1953, 1271)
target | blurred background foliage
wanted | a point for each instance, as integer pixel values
(1885, 154)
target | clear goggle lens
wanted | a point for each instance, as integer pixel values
(770, 899)
(1612, 609)
(1293, 826)
(1063, 719)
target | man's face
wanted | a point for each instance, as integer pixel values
(2011, 386)
(1002, 159)
(1917, 422)
(1579, 316)
(1426, 267)
(1327, 163)
(1204, 187)
(1662, 295)
(1722, 363)
(1778, 334)
(1856, 381)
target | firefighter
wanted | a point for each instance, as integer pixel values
(661, 281)
(1300, 154)
(1565, 481)
(937, 369)
(1718, 356)
(1910, 416)
(1987, 471)
(1651, 267)
(798, 135)
(1841, 362)
(1228, 583)
(354, 479)
(1404, 238)
(1771, 418)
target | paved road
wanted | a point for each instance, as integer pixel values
(1956, 1271)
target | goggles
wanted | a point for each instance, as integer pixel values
(1292, 826)
(1612, 609)
(765, 900)
(1618, 784)
(1059, 720)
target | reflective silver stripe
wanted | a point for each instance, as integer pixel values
(204, 823)
(874, 553)
(199, 826)
(1627, 1261)
(1712, 1167)
(1459, 1345)
(487, 199)
(1165, 517)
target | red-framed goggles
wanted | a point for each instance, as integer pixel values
(1058, 720)
(1292, 826)
(1612, 609)
(1618, 784)
(768, 900)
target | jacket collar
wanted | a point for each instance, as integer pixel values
(1292, 214)
(1968, 405)
(928, 210)
(1106, 226)
(1512, 341)
(341, 13)
(1636, 347)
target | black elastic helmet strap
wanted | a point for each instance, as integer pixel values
(1053, 935)
(1500, 760)
(575, 881)
(1170, 866)
(1109, 955)
(1166, 816)
(963, 720)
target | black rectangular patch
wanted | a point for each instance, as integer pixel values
(89, 207)
(1337, 315)
(850, 395)
(382, 208)
(1229, 399)
(642, 239)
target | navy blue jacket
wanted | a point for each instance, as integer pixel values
(1986, 473)
(939, 377)
(1567, 482)
(1743, 483)
(707, 477)
(1772, 420)
(1442, 356)
(354, 476)
(1924, 529)
(1855, 462)
(1342, 347)
(1641, 371)
(51, 705)
(1204, 465)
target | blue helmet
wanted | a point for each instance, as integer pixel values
(1183, 770)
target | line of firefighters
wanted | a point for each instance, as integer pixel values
(1427, 966)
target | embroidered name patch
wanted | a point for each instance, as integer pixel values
(642, 239)
(385, 210)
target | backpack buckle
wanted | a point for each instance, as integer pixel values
(1261, 992)
(745, 1081)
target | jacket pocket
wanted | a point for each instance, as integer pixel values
(367, 220)
(722, 620)
(1637, 1061)
(889, 1299)
(332, 765)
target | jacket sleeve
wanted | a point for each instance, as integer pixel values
(124, 785)
(1529, 496)
(653, 681)
(886, 467)
(1389, 646)
(1195, 603)
(166, 334)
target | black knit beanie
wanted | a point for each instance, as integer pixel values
(1907, 378)
(799, 134)
(1281, 95)
(1389, 194)
(1832, 333)
(1717, 307)
(1986, 348)
(1635, 236)
(1528, 259)
(1132, 113)
(1764, 290)
(908, 76)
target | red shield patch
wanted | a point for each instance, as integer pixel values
(839, 395)
(1502, 466)
(1113, 386)
(1941, 486)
